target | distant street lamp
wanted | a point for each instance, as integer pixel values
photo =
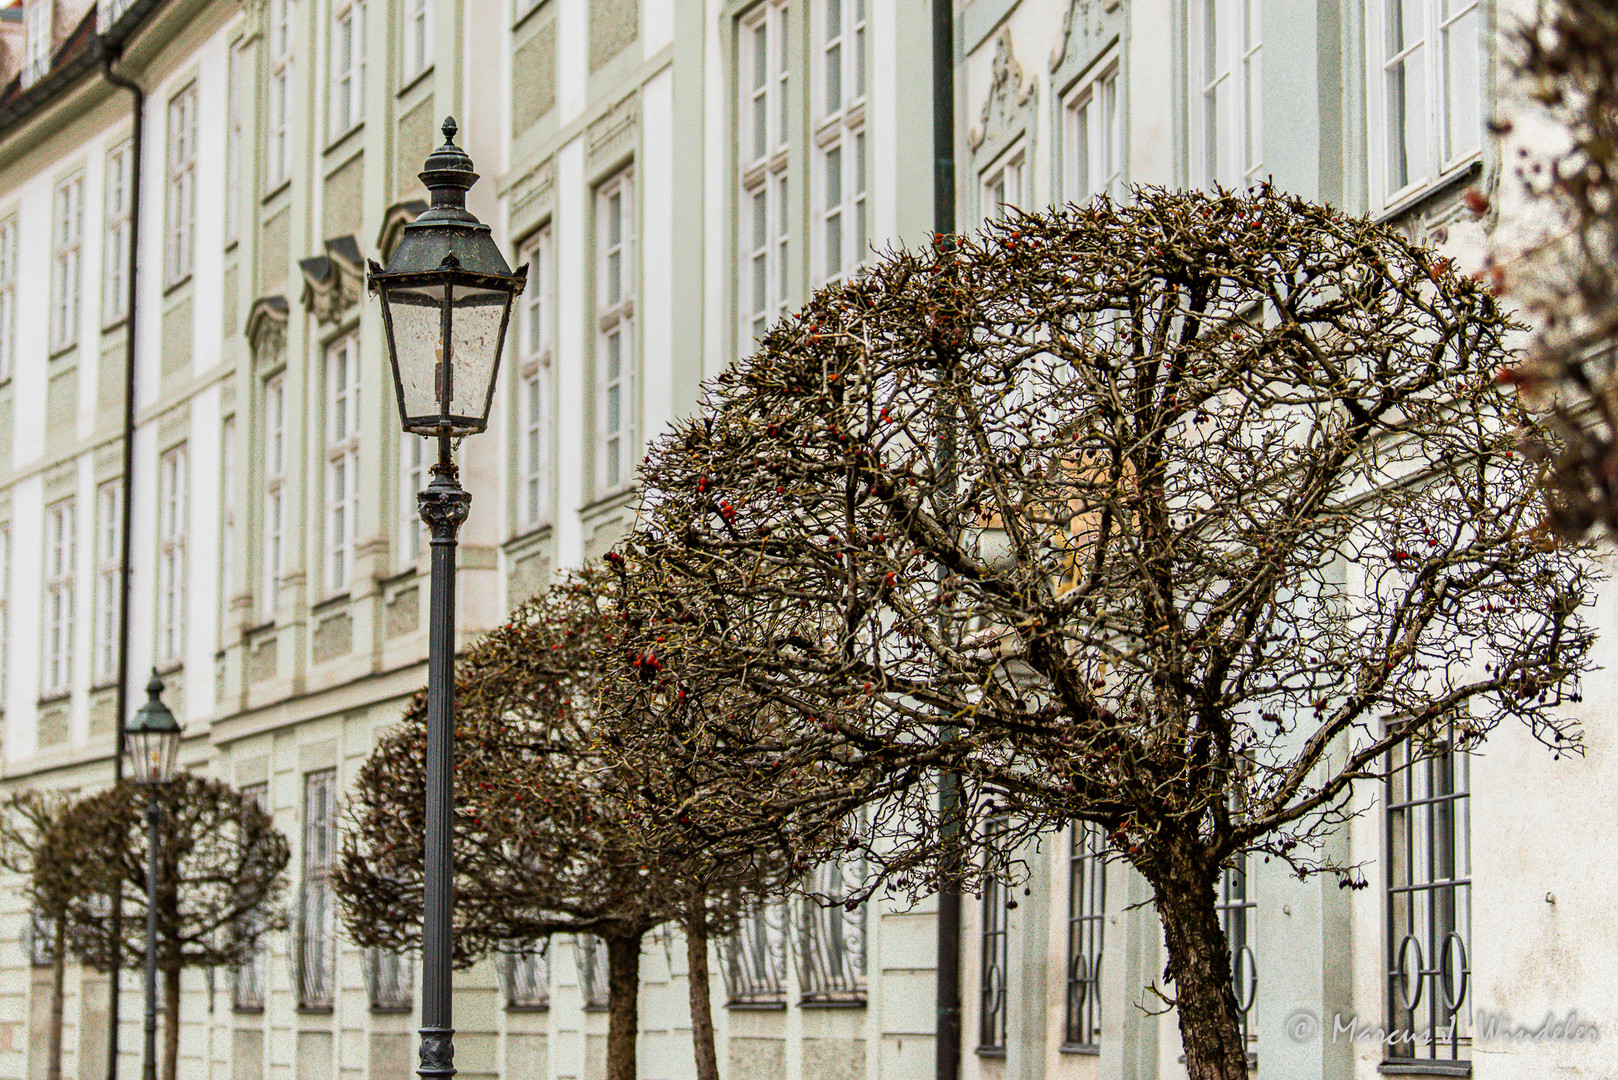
(153, 739)
(446, 299)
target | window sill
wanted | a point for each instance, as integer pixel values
(280, 185)
(529, 532)
(314, 1010)
(607, 499)
(62, 350)
(510, 1008)
(414, 81)
(165, 668)
(756, 1006)
(1425, 1068)
(1080, 1049)
(993, 1053)
(528, 9)
(392, 1010)
(832, 1003)
(114, 322)
(331, 603)
(335, 143)
(176, 285)
(55, 697)
(247, 1010)
(1444, 184)
(596, 1008)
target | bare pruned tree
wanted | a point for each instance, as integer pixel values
(26, 820)
(1176, 517)
(221, 879)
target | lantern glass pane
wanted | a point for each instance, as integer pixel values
(417, 314)
(475, 328)
(152, 754)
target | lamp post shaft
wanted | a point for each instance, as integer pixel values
(443, 508)
(154, 817)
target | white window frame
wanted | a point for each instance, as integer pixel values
(1447, 143)
(1227, 94)
(345, 80)
(5, 622)
(417, 47)
(534, 387)
(1005, 183)
(315, 947)
(8, 295)
(342, 459)
(765, 64)
(67, 261)
(181, 204)
(115, 255)
(839, 31)
(109, 581)
(616, 446)
(1092, 119)
(172, 570)
(37, 17)
(414, 457)
(277, 141)
(275, 475)
(241, 97)
(227, 519)
(61, 553)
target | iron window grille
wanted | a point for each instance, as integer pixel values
(247, 978)
(390, 979)
(1238, 915)
(1429, 903)
(526, 978)
(1086, 923)
(831, 961)
(994, 951)
(755, 958)
(590, 953)
(315, 947)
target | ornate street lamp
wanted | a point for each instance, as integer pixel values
(153, 739)
(446, 299)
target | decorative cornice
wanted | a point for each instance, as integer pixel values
(267, 327)
(394, 219)
(609, 134)
(1005, 111)
(331, 282)
(1078, 17)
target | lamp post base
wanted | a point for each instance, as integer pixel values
(437, 1052)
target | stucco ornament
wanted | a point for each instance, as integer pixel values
(1093, 20)
(331, 282)
(1006, 111)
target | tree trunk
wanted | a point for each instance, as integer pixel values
(623, 1005)
(696, 960)
(171, 1023)
(1199, 966)
(53, 1068)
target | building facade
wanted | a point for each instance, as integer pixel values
(677, 174)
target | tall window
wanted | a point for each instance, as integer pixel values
(115, 256)
(831, 966)
(1003, 187)
(227, 514)
(347, 80)
(389, 977)
(1227, 132)
(61, 547)
(8, 294)
(418, 38)
(5, 624)
(527, 978)
(342, 458)
(109, 551)
(277, 143)
(994, 949)
(533, 386)
(1429, 876)
(762, 137)
(171, 563)
(590, 954)
(182, 188)
(247, 980)
(413, 455)
(1238, 916)
(842, 209)
(1094, 134)
(1427, 97)
(275, 474)
(67, 259)
(317, 913)
(755, 957)
(615, 348)
(36, 16)
(1086, 923)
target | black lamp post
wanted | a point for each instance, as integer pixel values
(446, 299)
(153, 739)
